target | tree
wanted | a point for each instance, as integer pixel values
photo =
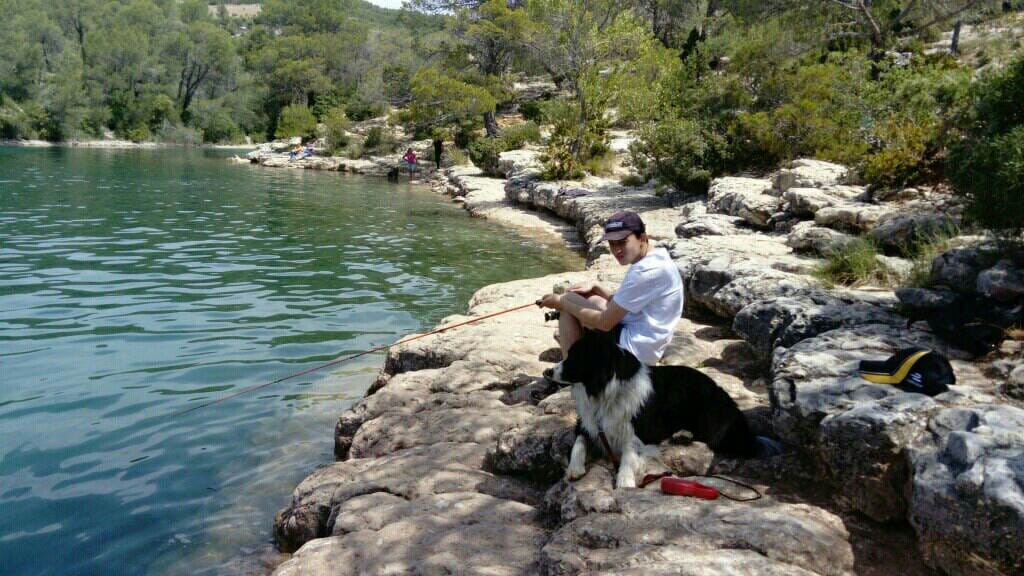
(440, 100)
(582, 41)
(204, 55)
(493, 35)
(881, 21)
(296, 120)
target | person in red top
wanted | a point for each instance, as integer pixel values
(410, 161)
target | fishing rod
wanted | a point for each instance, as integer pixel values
(352, 357)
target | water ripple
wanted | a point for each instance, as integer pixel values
(129, 291)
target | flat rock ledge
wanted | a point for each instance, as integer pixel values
(454, 460)
(453, 464)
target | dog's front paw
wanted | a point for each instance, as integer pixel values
(625, 480)
(575, 472)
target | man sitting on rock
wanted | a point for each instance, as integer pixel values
(642, 314)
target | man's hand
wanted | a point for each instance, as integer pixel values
(587, 289)
(551, 301)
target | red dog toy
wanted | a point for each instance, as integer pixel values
(680, 487)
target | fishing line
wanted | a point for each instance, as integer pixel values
(352, 357)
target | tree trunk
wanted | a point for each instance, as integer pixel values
(954, 45)
(490, 125)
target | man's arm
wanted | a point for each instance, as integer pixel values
(593, 318)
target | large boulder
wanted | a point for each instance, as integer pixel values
(900, 231)
(809, 237)
(451, 533)
(808, 173)
(645, 532)
(519, 163)
(808, 201)
(725, 285)
(784, 321)
(959, 268)
(412, 473)
(852, 216)
(710, 225)
(972, 322)
(746, 198)
(864, 448)
(857, 430)
(968, 491)
(538, 448)
(1004, 282)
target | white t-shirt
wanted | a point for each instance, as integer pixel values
(652, 294)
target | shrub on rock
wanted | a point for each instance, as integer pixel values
(987, 165)
(296, 120)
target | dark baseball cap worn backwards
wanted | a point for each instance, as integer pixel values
(622, 224)
(911, 370)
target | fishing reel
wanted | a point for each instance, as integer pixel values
(558, 288)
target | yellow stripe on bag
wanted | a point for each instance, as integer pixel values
(900, 374)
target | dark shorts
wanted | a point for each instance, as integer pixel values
(612, 335)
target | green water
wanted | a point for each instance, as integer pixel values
(134, 284)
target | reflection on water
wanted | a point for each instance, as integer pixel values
(134, 284)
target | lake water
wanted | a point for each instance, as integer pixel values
(134, 284)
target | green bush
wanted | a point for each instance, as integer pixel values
(138, 133)
(296, 120)
(987, 165)
(568, 151)
(458, 157)
(518, 135)
(990, 174)
(902, 161)
(354, 150)
(217, 126)
(484, 153)
(379, 140)
(335, 130)
(679, 153)
(531, 110)
(14, 122)
(360, 110)
(465, 134)
(855, 265)
(182, 135)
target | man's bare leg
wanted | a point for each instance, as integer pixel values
(569, 327)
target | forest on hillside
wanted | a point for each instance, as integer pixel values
(905, 91)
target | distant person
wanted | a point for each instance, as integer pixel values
(438, 151)
(410, 161)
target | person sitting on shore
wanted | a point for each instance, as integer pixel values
(410, 161)
(642, 314)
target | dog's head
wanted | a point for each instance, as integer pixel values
(593, 360)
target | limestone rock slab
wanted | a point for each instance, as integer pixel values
(746, 198)
(810, 173)
(968, 491)
(412, 473)
(786, 536)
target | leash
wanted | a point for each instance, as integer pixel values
(681, 487)
(352, 357)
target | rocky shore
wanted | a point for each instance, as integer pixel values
(453, 461)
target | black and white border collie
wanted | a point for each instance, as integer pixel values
(638, 406)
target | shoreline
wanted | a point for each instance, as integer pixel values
(464, 419)
(118, 144)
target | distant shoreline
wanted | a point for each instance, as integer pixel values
(117, 144)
